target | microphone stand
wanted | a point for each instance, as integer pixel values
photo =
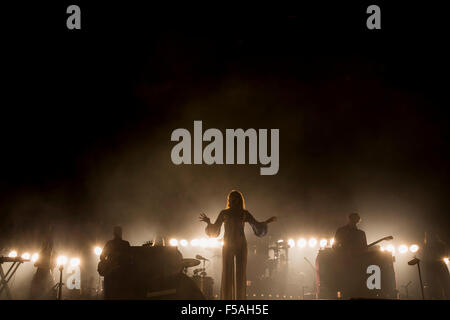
(414, 262)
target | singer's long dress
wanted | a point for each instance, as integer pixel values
(235, 245)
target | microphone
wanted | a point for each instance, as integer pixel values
(413, 262)
(199, 257)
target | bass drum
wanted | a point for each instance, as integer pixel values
(206, 285)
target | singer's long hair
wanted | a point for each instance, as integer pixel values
(236, 200)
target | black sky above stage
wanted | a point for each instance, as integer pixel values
(88, 117)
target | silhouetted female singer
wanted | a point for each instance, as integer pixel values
(234, 251)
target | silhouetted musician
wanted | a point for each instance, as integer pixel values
(114, 260)
(42, 282)
(349, 237)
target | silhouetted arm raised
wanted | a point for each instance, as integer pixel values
(259, 228)
(213, 229)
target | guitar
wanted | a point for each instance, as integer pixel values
(378, 241)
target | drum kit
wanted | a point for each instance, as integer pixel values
(200, 276)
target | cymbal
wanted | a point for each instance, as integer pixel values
(188, 263)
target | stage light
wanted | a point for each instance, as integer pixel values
(12, 254)
(291, 243)
(98, 251)
(382, 248)
(61, 260)
(331, 242)
(414, 248)
(74, 262)
(221, 243)
(280, 241)
(390, 248)
(26, 256)
(183, 243)
(173, 242)
(195, 242)
(203, 242)
(35, 257)
(212, 243)
(446, 260)
(323, 243)
(312, 242)
(301, 243)
(403, 249)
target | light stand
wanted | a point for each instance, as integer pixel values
(60, 283)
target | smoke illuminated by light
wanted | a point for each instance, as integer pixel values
(195, 242)
(74, 262)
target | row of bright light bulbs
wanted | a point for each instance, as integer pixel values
(60, 260)
(215, 243)
(300, 243)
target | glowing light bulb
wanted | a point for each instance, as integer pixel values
(390, 248)
(173, 242)
(403, 249)
(12, 254)
(331, 241)
(312, 242)
(26, 256)
(212, 243)
(183, 243)
(291, 243)
(35, 257)
(61, 260)
(323, 243)
(98, 251)
(414, 248)
(203, 242)
(301, 243)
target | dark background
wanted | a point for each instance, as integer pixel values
(87, 117)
